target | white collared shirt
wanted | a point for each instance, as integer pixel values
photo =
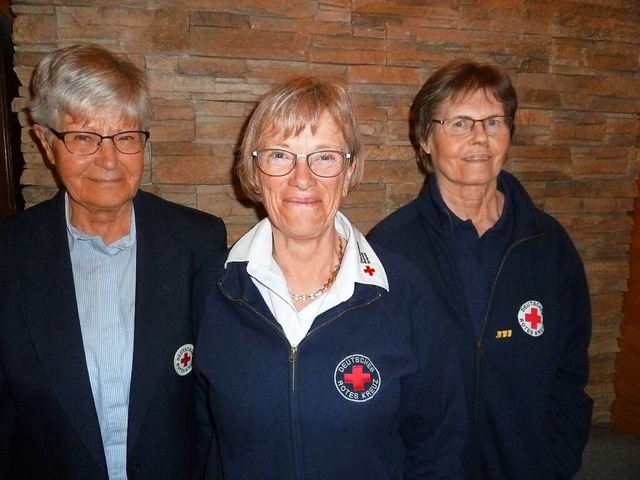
(360, 264)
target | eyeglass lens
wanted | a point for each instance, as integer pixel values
(464, 125)
(86, 143)
(276, 163)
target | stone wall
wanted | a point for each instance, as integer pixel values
(575, 65)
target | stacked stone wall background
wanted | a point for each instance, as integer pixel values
(575, 65)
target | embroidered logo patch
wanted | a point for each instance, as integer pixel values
(531, 319)
(357, 378)
(183, 359)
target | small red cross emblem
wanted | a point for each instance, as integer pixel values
(183, 359)
(369, 270)
(530, 318)
(186, 358)
(533, 318)
(356, 378)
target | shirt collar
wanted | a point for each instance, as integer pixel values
(360, 264)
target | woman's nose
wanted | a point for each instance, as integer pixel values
(107, 154)
(301, 175)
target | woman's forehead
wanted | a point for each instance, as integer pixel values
(100, 119)
(464, 99)
(282, 128)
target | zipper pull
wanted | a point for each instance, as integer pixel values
(479, 349)
(293, 354)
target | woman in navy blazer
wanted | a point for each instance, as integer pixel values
(95, 286)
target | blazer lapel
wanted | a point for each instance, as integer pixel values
(155, 311)
(51, 313)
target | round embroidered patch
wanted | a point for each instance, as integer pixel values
(357, 378)
(530, 318)
(183, 359)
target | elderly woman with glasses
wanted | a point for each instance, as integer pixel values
(319, 356)
(512, 279)
(95, 291)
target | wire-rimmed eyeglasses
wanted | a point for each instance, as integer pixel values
(461, 126)
(276, 162)
(88, 143)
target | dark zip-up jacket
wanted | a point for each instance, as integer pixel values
(373, 391)
(525, 381)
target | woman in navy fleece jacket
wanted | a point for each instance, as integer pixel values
(510, 275)
(318, 356)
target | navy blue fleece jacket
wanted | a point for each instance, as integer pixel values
(373, 391)
(526, 372)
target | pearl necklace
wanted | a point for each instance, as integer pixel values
(330, 280)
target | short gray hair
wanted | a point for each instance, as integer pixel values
(83, 81)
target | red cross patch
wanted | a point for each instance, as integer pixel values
(530, 318)
(357, 378)
(183, 359)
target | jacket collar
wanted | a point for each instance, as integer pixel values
(236, 285)
(51, 313)
(156, 291)
(524, 223)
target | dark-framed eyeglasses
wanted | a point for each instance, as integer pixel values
(276, 162)
(88, 143)
(462, 126)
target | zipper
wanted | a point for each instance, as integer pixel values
(293, 360)
(294, 415)
(293, 405)
(293, 354)
(479, 346)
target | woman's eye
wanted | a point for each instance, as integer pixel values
(82, 138)
(279, 156)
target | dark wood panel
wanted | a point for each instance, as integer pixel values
(625, 410)
(10, 156)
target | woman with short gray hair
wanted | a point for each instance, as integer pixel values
(96, 344)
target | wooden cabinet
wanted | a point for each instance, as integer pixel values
(10, 155)
(625, 410)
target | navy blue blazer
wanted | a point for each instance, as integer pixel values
(48, 424)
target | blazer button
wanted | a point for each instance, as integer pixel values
(134, 470)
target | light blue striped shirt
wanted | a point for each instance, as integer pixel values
(105, 282)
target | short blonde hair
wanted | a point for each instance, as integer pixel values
(287, 110)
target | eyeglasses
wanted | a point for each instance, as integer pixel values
(278, 163)
(461, 126)
(88, 143)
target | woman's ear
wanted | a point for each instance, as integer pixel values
(425, 144)
(39, 130)
(347, 178)
(257, 186)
